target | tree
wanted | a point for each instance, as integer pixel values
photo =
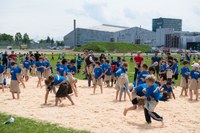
(60, 43)
(18, 38)
(26, 39)
(52, 41)
(6, 37)
(48, 40)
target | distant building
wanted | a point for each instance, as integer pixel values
(175, 24)
(161, 36)
(110, 33)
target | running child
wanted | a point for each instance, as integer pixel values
(185, 72)
(168, 89)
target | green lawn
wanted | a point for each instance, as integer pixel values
(24, 125)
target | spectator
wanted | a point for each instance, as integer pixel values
(138, 61)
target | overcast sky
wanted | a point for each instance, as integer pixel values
(40, 18)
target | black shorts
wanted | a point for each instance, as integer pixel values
(134, 101)
(175, 77)
(78, 67)
(164, 76)
(64, 90)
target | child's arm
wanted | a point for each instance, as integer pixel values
(100, 76)
(141, 98)
(173, 95)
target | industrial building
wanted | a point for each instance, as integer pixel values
(171, 23)
(110, 33)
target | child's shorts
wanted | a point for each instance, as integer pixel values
(107, 77)
(64, 90)
(90, 69)
(71, 78)
(193, 84)
(123, 79)
(98, 82)
(14, 86)
(183, 83)
(175, 76)
(26, 72)
(40, 74)
(47, 73)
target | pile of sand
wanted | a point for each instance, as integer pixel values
(101, 113)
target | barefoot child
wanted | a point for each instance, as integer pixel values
(107, 73)
(2, 70)
(123, 80)
(194, 74)
(47, 71)
(98, 73)
(137, 91)
(26, 68)
(14, 84)
(40, 71)
(143, 74)
(168, 89)
(63, 91)
(185, 72)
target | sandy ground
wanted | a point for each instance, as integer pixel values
(100, 113)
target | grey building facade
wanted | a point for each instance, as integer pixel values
(175, 24)
(110, 33)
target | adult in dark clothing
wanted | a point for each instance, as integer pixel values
(169, 57)
(37, 56)
(156, 60)
(5, 59)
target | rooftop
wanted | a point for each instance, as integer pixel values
(108, 28)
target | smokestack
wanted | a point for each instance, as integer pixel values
(74, 33)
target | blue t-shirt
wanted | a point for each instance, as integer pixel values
(156, 58)
(9, 65)
(183, 71)
(19, 69)
(143, 75)
(120, 71)
(38, 64)
(46, 64)
(79, 61)
(187, 58)
(107, 67)
(169, 90)
(97, 72)
(33, 62)
(13, 73)
(194, 74)
(27, 64)
(61, 69)
(71, 69)
(152, 91)
(119, 63)
(58, 79)
(139, 89)
(2, 68)
(175, 67)
(163, 68)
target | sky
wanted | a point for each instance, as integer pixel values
(54, 18)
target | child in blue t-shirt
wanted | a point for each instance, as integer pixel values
(143, 74)
(162, 71)
(98, 73)
(47, 71)
(107, 72)
(194, 83)
(185, 72)
(26, 68)
(137, 91)
(2, 70)
(168, 88)
(79, 61)
(40, 65)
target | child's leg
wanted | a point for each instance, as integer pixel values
(70, 99)
(17, 95)
(183, 88)
(101, 87)
(2, 87)
(126, 110)
(197, 94)
(117, 93)
(56, 101)
(21, 80)
(147, 116)
(120, 93)
(127, 91)
(46, 96)
(186, 90)
(156, 117)
(94, 89)
(191, 94)
(13, 95)
(124, 95)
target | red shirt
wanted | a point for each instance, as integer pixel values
(12, 56)
(138, 59)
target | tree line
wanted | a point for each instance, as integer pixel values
(19, 39)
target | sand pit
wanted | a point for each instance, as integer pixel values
(100, 113)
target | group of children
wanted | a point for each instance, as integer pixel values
(146, 91)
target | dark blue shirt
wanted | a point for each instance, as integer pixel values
(107, 67)
(61, 69)
(97, 72)
(169, 90)
(38, 64)
(184, 70)
(13, 73)
(175, 67)
(143, 75)
(27, 64)
(119, 72)
(58, 79)
(156, 59)
(194, 74)
(71, 69)
(163, 68)
(139, 89)
(79, 61)
(2, 68)
(153, 91)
